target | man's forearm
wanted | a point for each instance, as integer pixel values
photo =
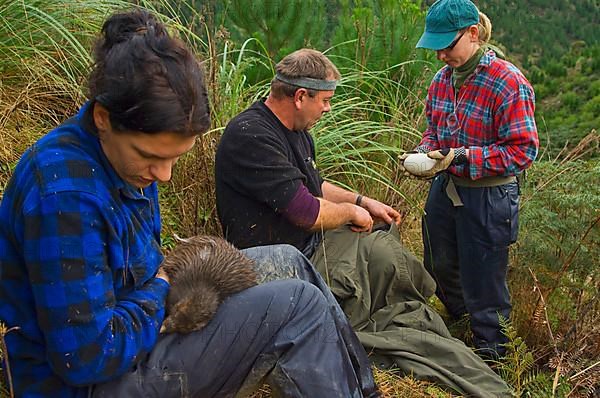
(335, 194)
(373, 207)
(332, 215)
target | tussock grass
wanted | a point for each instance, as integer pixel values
(44, 48)
(44, 57)
(371, 123)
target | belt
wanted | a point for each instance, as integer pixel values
(453, 181)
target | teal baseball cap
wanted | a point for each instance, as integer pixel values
(443, 21)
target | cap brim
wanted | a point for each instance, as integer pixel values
(436, 41)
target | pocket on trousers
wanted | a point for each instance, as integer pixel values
(513, 203)
(504, 200)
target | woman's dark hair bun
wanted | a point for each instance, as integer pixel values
(148, 80)
(122, 27)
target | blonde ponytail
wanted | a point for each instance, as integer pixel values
(485, 28)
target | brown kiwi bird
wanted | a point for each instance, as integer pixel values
(203, 270)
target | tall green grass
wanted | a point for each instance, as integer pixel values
(44, 57)
(376, 113)
(47, 42)
(370, 123)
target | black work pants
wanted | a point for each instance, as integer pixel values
(466, 251)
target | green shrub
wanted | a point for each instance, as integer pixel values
(555, 278)
(592, 107)
(570, 100)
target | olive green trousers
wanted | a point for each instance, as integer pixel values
(383, 289)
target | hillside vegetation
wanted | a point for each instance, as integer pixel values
(377, 113)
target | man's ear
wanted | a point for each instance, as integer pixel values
(101, 118)
(299, 96)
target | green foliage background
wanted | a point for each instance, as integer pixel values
(377, 112)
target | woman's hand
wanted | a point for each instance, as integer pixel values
(161, 274)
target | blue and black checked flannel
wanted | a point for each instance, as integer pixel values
(79, 249)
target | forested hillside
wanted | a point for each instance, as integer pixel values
(540, 32)
(555, 42)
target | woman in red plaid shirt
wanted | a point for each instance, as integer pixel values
(481, 132)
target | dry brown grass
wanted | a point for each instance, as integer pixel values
(391, 385)
(188, 200)
(28, 109)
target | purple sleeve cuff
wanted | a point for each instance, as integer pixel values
(303, 209)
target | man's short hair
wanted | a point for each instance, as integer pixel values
(302, 63)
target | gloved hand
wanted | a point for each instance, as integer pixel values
(402, 158)
(443, 158)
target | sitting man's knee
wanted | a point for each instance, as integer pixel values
(276, 261)
(285, 250)
(273, 251)
(299, 290)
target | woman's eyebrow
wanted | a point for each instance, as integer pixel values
(145, 154)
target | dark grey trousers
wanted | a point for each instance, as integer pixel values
(290, 333)
(466, 251)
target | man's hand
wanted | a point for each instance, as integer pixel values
(333, 215)
(361, 220)
(381, 211)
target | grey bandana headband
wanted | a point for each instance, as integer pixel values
(308, 82)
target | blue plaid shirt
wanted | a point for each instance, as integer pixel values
(79, 249)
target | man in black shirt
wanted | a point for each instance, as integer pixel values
(268, 187)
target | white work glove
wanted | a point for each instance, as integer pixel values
(402, 158)
(443, 159)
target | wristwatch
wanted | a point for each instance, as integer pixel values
(460, 156)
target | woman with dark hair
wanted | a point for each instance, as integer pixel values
(80, 281)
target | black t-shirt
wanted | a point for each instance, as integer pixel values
(259, 166)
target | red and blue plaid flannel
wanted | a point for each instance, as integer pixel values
(492, 115)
